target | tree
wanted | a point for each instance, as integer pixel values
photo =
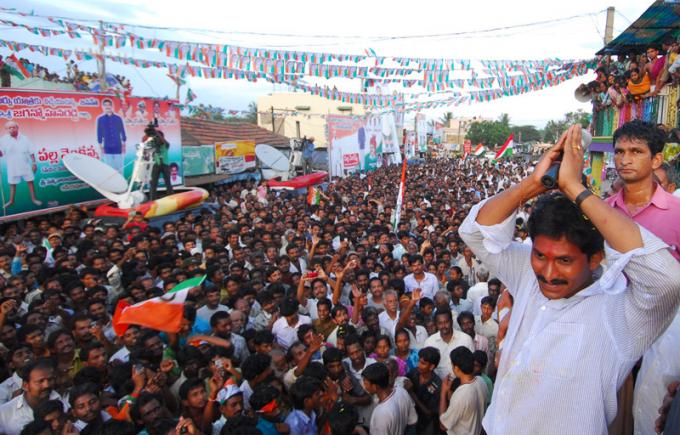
(504, 119)
(554, 128)
(526, 133)
(490, 133)
(446, 119)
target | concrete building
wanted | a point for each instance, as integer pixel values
(455, 132)
(297, 114)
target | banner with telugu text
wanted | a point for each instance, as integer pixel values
(40, 127)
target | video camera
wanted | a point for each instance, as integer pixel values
(150, 129)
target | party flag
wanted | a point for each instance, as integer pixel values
(16, 67)
(163, 313)
(506, 149)
(400, 195)
(190, 96)
(479, 150)
(313, 195)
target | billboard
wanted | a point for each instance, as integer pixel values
(234, 157)
(198, 160)
(41, 127)
(361, 144)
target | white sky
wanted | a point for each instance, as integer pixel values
(578, 38)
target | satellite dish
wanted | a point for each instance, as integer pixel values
(100, 176)
(582, 94)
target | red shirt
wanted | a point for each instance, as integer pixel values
(661, 216)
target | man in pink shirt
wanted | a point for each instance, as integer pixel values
(638, 148)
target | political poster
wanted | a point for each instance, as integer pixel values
(40, 127)
(234, 157)
(362, 144)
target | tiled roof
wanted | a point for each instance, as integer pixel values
(203, 132)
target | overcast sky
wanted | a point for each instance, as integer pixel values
(349, 26)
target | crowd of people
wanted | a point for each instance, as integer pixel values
(81, 80)
(322, 318)
(631, 78)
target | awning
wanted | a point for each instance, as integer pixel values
(661, 21)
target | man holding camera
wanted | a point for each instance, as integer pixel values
(161, 160)
(576, 332)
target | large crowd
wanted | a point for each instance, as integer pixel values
(323, 318)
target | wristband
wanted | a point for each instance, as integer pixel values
(582, 196)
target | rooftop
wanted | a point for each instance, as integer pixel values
(203, 132)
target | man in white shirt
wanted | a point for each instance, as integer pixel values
(446, 340)
(395, 407)
(466, 322)
(130, 337)
(464, 412)
(485, 324)
(559, 297)
(426, 281)
(478, 291)
(212, 304)
(285, 328)
(19, 154)
(18, 358)
(390, 317)
(38, 384)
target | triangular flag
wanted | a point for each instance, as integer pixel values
(163, 313)
(506, 149)
(190, 96)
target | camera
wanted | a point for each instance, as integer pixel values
(549, 179)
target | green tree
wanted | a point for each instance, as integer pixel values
(554, 128)
(490, 133)
(526, 133)
(446, 118)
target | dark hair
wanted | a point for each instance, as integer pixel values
(555, 216)
(88, 348)
(496, 282)
(480, 357)
(488, 300)
(646, 132)
(303, 388)
(262, 395)
(263, 337)
(331, 355)
(430, 354)
(117, 427)
(377, 374)
(219, 315)
(316, 370)
(25, 331)
(465, 315)
(82, 390)
(240, 425)
(189, 385)
(416, 257)
(144, 398)
(46, 408)
(462, 358)
(39, 364)
(35, 427)
(326, 302)
(254, 365)
(446, 313)
(343, 418)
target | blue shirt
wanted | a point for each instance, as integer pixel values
(301, 423)
(111, 133)
(267, 427)
(307, 149)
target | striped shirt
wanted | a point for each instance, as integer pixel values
(564, 360)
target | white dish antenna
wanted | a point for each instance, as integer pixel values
(272, 158)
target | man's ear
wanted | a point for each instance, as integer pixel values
(595, 260)
(657, 160)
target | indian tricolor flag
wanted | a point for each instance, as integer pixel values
(163, 313)
(313, 195)
(479, 150)
(506, 149)
(16, 67)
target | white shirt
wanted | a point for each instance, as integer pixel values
(388, 323)
(660, 367)
(122, 355)
(475, 295)
(286, 334)
(303, 265)
(391, 416)
(17, 154)
(205, 312)
(570, 356)
(458, 339)
(9, 386)
(466, 409)
(489, 329)
(417, 340)
(16, 414)
(429, 285)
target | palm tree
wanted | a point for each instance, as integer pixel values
(446, 118)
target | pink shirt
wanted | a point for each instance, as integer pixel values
(661, 216)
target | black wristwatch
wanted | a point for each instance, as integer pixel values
(582, 196)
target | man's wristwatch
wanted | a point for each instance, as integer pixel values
(582, 196)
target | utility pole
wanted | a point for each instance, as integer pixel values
(609, 28)
(273, 128)
(102, 59)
